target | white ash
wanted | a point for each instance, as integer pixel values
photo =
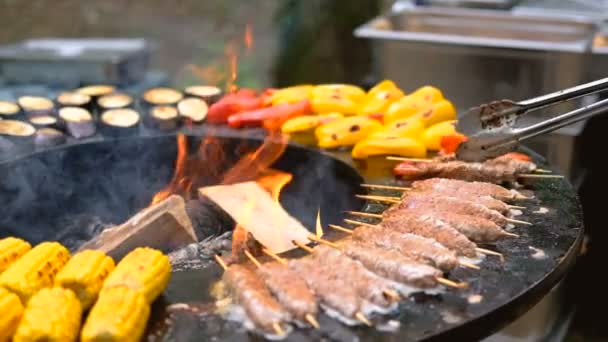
(475, 299)
(538, 253)
(541, 210)
(196, 255)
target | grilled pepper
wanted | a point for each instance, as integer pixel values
(421, 99)
(438, 112)
(35, 270)
(11, 249)
(450, 143)
(84, 274)
(344, 90)
(379, 98)
(346, 131)
(12, 310)
(282, 112)
(242, 100)
(145, 270)
(291, 94)
(401, 146)
(410, 128)
(308, 122)
(52, 315)
(432, 135)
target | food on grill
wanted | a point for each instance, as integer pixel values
(473, 227)
(9, 110)
(406, 128)
(114, 101)
(341, 98)
(79, 121)
(44, 121)
(120, 314)
(290, 95)
(333, 287)
(145, 270)
(46, 137)
(162, 96)
(35, 270)
(193, 109)
(17, 132)
(251, 293)
(164, 118)
(209, 94)
(391, 264)
(346, 131)
(407, 106)
(416, 247)
(273, 116)
(478, 189)
(11, 249)
(254, 210)
(96, 91)
(12, 310)
(485, 200)
(429, 227)
(84, 274)
(379, 98)
(52, 314)
(74, 99)
(389, 144)
(120, 122)
(438, 203)
(432, 135)
(36, 105)
(307, 122)
(290, 290)
(239, 101)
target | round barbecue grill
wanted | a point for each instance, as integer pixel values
(71, 193)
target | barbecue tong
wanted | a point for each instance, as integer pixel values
(490, 127)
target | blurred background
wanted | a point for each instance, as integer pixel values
(474, 50)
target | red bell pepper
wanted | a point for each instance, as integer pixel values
(242, 100)
(273, 115)
(377, 116)
(449, 143)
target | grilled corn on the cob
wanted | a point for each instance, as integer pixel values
(52, 314)
(120, 314)
(35, 270)
(10, 314)
(11, 249)
(145, 270)
(84, 274)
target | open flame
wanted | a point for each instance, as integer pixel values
(248, 39)
(319, 226)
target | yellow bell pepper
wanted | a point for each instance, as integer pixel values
(411, 127)
(307, 122)
(379, 98)
(432, 135)
(421, 99)
(438, 112)
(334, 103)
(344, 90)
(291, 94)
(405, 147)
(346, 131)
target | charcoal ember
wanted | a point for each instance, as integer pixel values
(208, 219)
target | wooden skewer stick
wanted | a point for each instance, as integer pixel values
(360, 223)
(451, 283)
(531, 175)
(274, 256)
(341, 229)
(362, 214)
(393, 295)
(409, 159)
(511, 235)
(221, 262)
(385, 187)
(378, 199)
(542, 171)
(304, 247)
(490, 252)
(516, 206)
(278, 329)
(323, 241)
(519, 222)
(469, 265)
(360, 316)
(309, 317)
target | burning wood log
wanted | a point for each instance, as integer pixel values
(165, 226)
(255, 211)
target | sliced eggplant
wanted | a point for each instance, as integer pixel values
(162, 96)
(47, 137)
(79, 122)
(45, 121)
(17, 132)
(96, 91)
(193, 109)
(75, 99)
(114, 101)
(208, 93)
(36, 105)
(164, 118)
(120, 122)
(9, 110)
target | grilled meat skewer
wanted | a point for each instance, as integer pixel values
(418, 248)
(289, 289)
(429, 227)
(487, 201)
(471, 188)
(252, 294)
(391, 264)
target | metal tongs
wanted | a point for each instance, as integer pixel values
(490, 127)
